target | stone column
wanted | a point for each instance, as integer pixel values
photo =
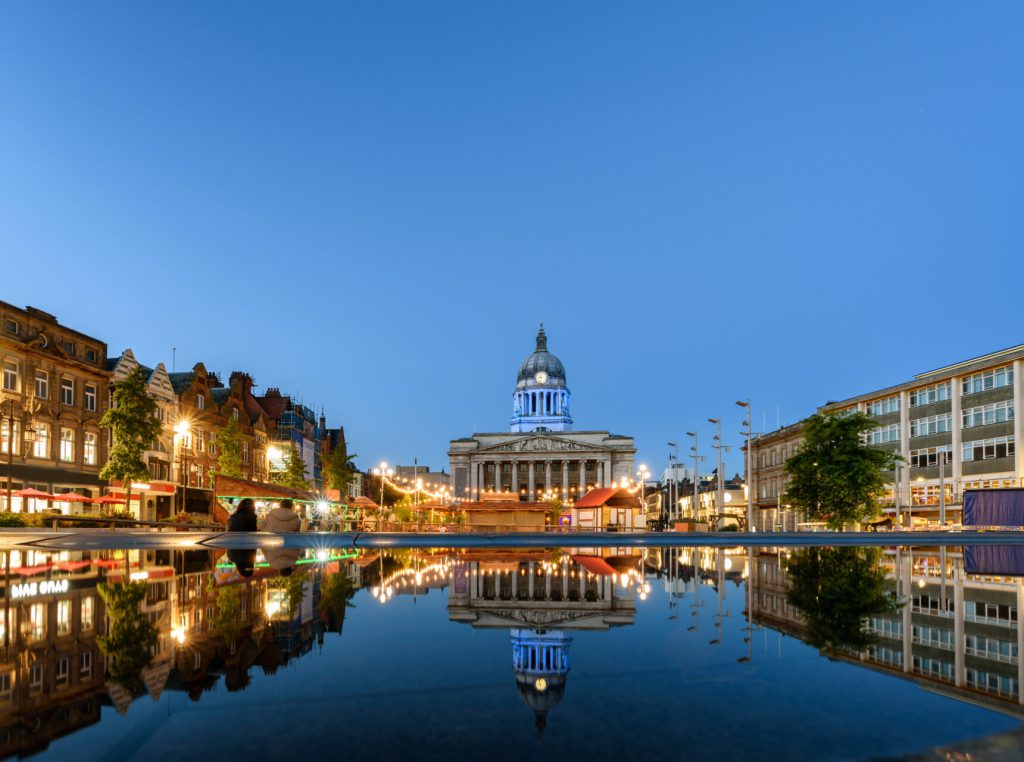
(609, 473)
(472, 480)
(906, 499)
(1020, 630)
(599, 474)
(565, 479)
(958, 626)
(497, 476)
(1018, 432)
(958, 435)
(532, 493)
(547, 476)
(531, 572)
(515, 476)
(583, 478)
(908, 580)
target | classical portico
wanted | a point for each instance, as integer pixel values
(561, 464)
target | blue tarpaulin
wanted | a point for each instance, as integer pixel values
(994, 507)
(995, 560)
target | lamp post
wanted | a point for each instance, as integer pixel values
(642, 475)
(749, 471)
(181, 429)
(382, 471)
(697, 457)
(673, 491)
(720, 500)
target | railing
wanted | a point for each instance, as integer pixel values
(113, 523)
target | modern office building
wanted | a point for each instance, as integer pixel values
(955, 427)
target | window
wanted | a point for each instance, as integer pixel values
(89, 449)
(42, 385)
(90, 397)
(986, 449)
(10, 436)
(890, 433)
(63, 616)
(35, 678)
(935, 637)
(992, 648)
(67, 391)
(990, 379)
(67, 445)
(884, 407)
(200, 441)
(12, 376)
(88, 610)
(989, 613)
(930, 456)
(997, 412)
(6, 685)
(63, 671)
(936, 393)
(245, 452)
(41, 445)
(69, 347)
(85, 664)
(37, 621)
(90, 355)
(201, 402)
(211, 441)
(933, 424)
(234, 413)
(11, 326)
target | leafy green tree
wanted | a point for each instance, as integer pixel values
(134, 427)
(836, 475)
(131, 637)
(835, 589)
(229, 449)
(339, 469)
(294, 472)
(336, 592)
(228, 621)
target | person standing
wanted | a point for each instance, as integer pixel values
(244, 517)
(283, 518)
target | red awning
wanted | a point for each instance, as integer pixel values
(595, 565)
(73, 565)
(597, 497)
(109, 500)
(28, 571)
(32, 493)
(72, 497)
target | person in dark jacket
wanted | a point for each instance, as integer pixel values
(244, 517)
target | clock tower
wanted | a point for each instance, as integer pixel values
(541, 398)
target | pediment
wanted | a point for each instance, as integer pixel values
(541, 443)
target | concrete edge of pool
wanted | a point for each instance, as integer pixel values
(131, 539)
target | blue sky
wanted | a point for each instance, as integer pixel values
(371, 205)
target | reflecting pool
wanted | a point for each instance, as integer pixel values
(636, 653)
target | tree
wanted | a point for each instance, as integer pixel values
(339, 469)
(229, 449)
(131, 637)
(294, 473)
(134, 427)
(836, 475)
(835, 589)
(228, 621)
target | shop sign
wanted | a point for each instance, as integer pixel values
(39, 589)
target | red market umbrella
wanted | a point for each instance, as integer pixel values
(72, 497)
(32, 493)
(109, 500)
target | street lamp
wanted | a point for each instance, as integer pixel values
(383, 472)
(181, 429)
(673, 488)
(642, 475)
(697, 457)
(720, 500)
(749, 473)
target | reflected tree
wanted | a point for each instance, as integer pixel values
(228, 621)
(835, 589)
(131, 637)
(336, 592)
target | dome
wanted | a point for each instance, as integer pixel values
(541, 361)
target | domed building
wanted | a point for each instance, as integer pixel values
(541, 399)
(540, 660)
(541, 457)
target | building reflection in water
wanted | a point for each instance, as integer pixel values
(210, 623)
(540, 598)
(957, 631)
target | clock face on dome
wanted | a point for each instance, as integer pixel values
(541, 377)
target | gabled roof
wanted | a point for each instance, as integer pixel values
(606, 496)
(181, 381)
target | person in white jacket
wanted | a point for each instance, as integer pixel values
(283, 518)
